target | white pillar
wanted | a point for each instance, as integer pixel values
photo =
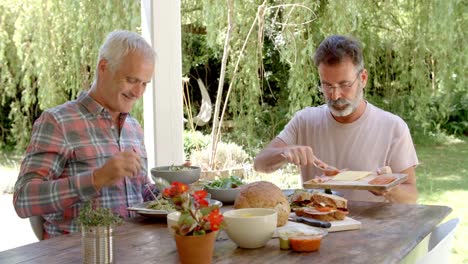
(162, 102)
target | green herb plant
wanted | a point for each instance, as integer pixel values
(98, 216)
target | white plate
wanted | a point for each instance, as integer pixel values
(362, 184)
(142, 209)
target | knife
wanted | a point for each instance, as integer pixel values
(309, 221)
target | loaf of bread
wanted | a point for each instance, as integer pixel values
(263, 194)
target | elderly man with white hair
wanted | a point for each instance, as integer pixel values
(90, 148)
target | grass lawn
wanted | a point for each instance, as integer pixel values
(442, 179)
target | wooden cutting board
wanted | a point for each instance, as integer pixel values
(347, 224)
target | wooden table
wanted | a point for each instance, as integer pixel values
(389, 232)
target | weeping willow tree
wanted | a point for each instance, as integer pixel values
(414, 52)
(254, 23)
(48, 53)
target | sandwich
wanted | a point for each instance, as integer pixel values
(320, 206)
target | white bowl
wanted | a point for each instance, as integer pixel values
(188, 175)
(250, 227)
(172, 219)
(223, 195)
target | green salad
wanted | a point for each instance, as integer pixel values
(225, 183)
(162, 205)
(179, 168)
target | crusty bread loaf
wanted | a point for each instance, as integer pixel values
(329, 200)
(263, 194)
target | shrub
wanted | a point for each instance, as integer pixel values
(228, 155)
(194, 140)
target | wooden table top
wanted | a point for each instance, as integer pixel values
(389, 232)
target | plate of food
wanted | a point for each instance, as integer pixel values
(317, 208)
(357, 180)
(153, 209)
(224, 189)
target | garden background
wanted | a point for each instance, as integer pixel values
(414, 51)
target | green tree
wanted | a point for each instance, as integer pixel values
(48, 53)
(414, 51)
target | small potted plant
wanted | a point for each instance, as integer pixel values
(195, 231)
(97, 233)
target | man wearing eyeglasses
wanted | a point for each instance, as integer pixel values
(347, 132)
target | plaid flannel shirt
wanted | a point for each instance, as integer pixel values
(68, 143)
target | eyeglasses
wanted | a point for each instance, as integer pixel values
(344, 87)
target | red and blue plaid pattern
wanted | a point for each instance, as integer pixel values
(68, 143)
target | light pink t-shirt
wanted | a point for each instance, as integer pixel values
(378, 138)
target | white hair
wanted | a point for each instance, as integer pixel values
(119, 43)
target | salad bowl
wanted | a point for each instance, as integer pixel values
(173, 173)
(225, 189)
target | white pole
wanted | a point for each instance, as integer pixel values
(162, 102)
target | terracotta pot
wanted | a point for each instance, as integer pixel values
(195, 249)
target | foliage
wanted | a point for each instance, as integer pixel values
(197, 217)
(228, 155)
(414, 53)
(194, 141)
(441, 180)
(47, 58)
(98, 216)
(230, 182)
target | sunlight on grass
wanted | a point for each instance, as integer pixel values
(442, 180)
(451, 140)
(455, 200)
(449, 177)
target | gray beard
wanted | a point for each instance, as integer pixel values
(351, 105)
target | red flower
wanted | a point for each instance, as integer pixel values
(215, 219)
(176, 188)
(197, 216)
(199, 197)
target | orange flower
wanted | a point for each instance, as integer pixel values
(197, 216)
(175, 189)
(199, 197)
(215, 219)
